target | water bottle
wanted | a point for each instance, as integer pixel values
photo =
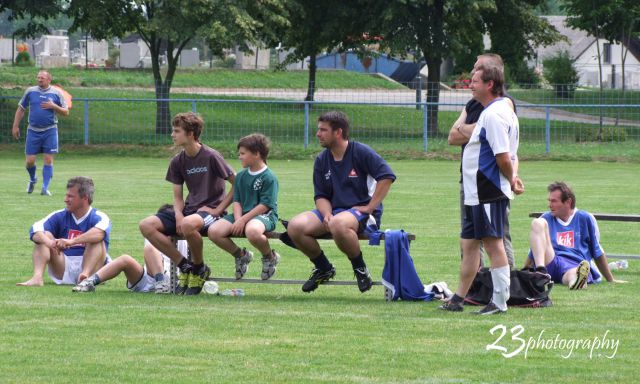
(233, 292)
(210, 287)
(618, 265)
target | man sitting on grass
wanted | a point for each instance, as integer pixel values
(565, 241)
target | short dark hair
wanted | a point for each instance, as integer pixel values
(85, 186)
(336, 120)
(495, 74)
(565, 192)
(190, 122)
(256, 143)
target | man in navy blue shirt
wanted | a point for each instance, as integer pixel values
(44, 103)
(350, 181)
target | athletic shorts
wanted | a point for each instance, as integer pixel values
(269, 220)
(72, 270)
(41, 141)
(169, 222)
(560, 265)
(366, 223)
(485, 220)
(145, 284)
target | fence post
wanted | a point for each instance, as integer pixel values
(306, 124)
(418, 91)
(547, 129)
(86, 122)
(425, 128)
(194, 107)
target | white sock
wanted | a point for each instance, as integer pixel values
(501, 278)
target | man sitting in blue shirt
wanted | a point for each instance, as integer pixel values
(565, 241)
(350, 181)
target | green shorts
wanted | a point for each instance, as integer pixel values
(269, 220)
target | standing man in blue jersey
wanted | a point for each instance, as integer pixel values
(565, 240)
(350, 181)
(45, 103)
(489, 178)
(73, 242)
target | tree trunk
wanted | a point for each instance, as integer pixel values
(433, 93)
(163, 109)
(311, 88)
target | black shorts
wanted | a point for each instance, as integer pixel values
(484, 220)
(169, 222)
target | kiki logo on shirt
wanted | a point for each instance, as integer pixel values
(353, 173)
(73, 233)
(565, 239)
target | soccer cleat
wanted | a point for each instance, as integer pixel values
(317, 277)
(85, 285)
(45, 192)
(582, 276)
(162, 286)
(363, 278)
(452, 306)
(490, 309)
(197, 279)
(183, 281)
(31, 185)
(242, 263)
(269, 265)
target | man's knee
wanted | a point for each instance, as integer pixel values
(342, 224)
(539, 226)
(149, 225)
(297, 225)
(192, 224)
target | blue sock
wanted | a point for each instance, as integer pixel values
(159, 277)
(47, 174)
(32, 173)
(95, 278)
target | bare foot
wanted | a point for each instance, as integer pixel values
(33, 282)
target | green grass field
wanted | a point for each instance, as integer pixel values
(336, 334)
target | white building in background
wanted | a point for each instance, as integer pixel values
(6, 46)
(257, 58)
(52, 50)
(583, 49)
(93, 52)
(134, 53)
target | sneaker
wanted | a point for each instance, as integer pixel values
(490, 309)
(269, 265)
(163, 286)
(197, 279)
(582, 276)
(31, 185)
(242, 263)
(183, 281)
(363, 278)
(452, 306)
(318, 277)
(45, 192)
(85, 285)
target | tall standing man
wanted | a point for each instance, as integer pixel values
(461, 132)
(73, 242)
(44, 103)
(204, 172)
(488, 178)
(350, 181)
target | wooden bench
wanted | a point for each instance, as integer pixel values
(608, 217)
(276, 235)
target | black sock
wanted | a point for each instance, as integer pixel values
(456, 299)
(358, 262)
(185, 265)
(542, 269)
(159, 277)
(322, 263)
(95, 278)
(198, 267)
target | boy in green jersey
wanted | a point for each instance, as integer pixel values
(255, 208)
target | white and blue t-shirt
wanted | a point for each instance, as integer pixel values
(496, 132)
(351, 181)
(64, 225)
(41, 119)
(577, 239)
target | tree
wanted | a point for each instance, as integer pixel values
(319, 26)
(168, 27)
(515, 30)
(34, 12)
(435, 29)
